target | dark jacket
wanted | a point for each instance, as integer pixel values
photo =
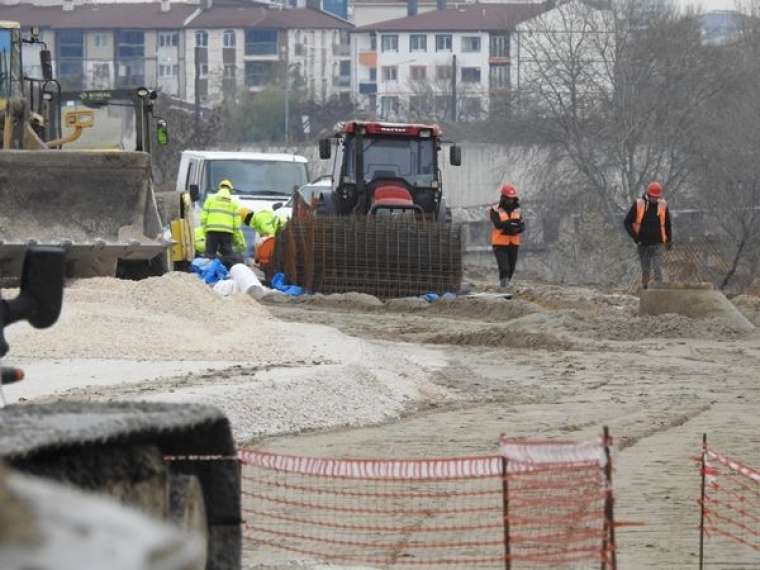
(510, 227)
(649, 234)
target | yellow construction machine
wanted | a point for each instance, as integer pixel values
(79, 179)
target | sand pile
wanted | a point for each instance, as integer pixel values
(174, 317)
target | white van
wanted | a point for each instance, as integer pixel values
(261, 180)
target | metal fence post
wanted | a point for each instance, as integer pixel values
(505, 501)
(702, 505)
(609, 502)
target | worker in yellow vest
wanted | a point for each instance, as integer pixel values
(239, 245)
(648, 223)
(505, 236)
(220, 220)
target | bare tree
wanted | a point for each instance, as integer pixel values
(617, 89)
(726, 171)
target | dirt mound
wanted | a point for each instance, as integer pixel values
(174, 317)
(484, 309)
(407, 305)
(663, 326)
(505, 337)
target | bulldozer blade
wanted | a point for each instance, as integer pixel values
(98, 205)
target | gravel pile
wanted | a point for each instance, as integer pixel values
(174, 317)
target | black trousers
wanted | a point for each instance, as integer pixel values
(218, 242)
(506, 258)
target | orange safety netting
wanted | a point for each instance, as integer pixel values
(731, 503)
(432, 513)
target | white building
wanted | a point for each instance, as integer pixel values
(249, 46)
(434, 64)
(564, 56)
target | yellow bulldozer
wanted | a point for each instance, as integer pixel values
(79, 179)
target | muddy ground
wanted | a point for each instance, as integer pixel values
(348, 376)
(564, 362)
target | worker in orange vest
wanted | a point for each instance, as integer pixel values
(505, 236)
(648, 223)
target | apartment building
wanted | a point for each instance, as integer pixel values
(249, 46)
(239, 45)
(447, 63)
(100, 46)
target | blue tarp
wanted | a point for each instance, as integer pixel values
(210, 270)
(279, 283)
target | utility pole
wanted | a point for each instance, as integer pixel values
(197, 109)
(287, 106)
(454, 89)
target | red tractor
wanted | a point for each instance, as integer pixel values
(379, 224)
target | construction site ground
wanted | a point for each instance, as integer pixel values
(349, 376)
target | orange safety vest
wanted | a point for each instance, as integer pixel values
(500, 238)
(641, 208)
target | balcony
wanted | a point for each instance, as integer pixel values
(341, 81)
(261, 48)
(367, 88)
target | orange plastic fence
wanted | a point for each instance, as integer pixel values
(508, 511)
(731, 503)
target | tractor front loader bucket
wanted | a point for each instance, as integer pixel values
(98, 205)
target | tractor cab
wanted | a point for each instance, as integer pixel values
(388, 168)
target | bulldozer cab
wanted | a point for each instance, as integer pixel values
(120, 119)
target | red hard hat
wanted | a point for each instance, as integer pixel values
(508, 191)
(654, 190)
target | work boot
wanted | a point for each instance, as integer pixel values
(503, 283)
(645, 283)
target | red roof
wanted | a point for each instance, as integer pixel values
(468, 18)
(146, 16)
(263, 17)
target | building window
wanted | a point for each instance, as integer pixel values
(168, 39)
(388, 106)
(499, 77)
(499, 45)
(131, 73)
(372, 102)
(417, 105)
(101, 75)
(470, 75)
(201, 39)
(442, 105)
(471, 107)
(470, 44)
(69, 44)
(418, 72)
(101, 40)
(171, 70)
(228, 39)
(261, 42)
(418, 42)
(443, 42)
(443, 72)
(203, 71)
(389, 43)
(345, 68)
(373, 41)
(230, 71)
(373, 73)
(258, 73)
(131, 44)
(390, 73)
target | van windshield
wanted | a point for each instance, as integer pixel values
(257, 177)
